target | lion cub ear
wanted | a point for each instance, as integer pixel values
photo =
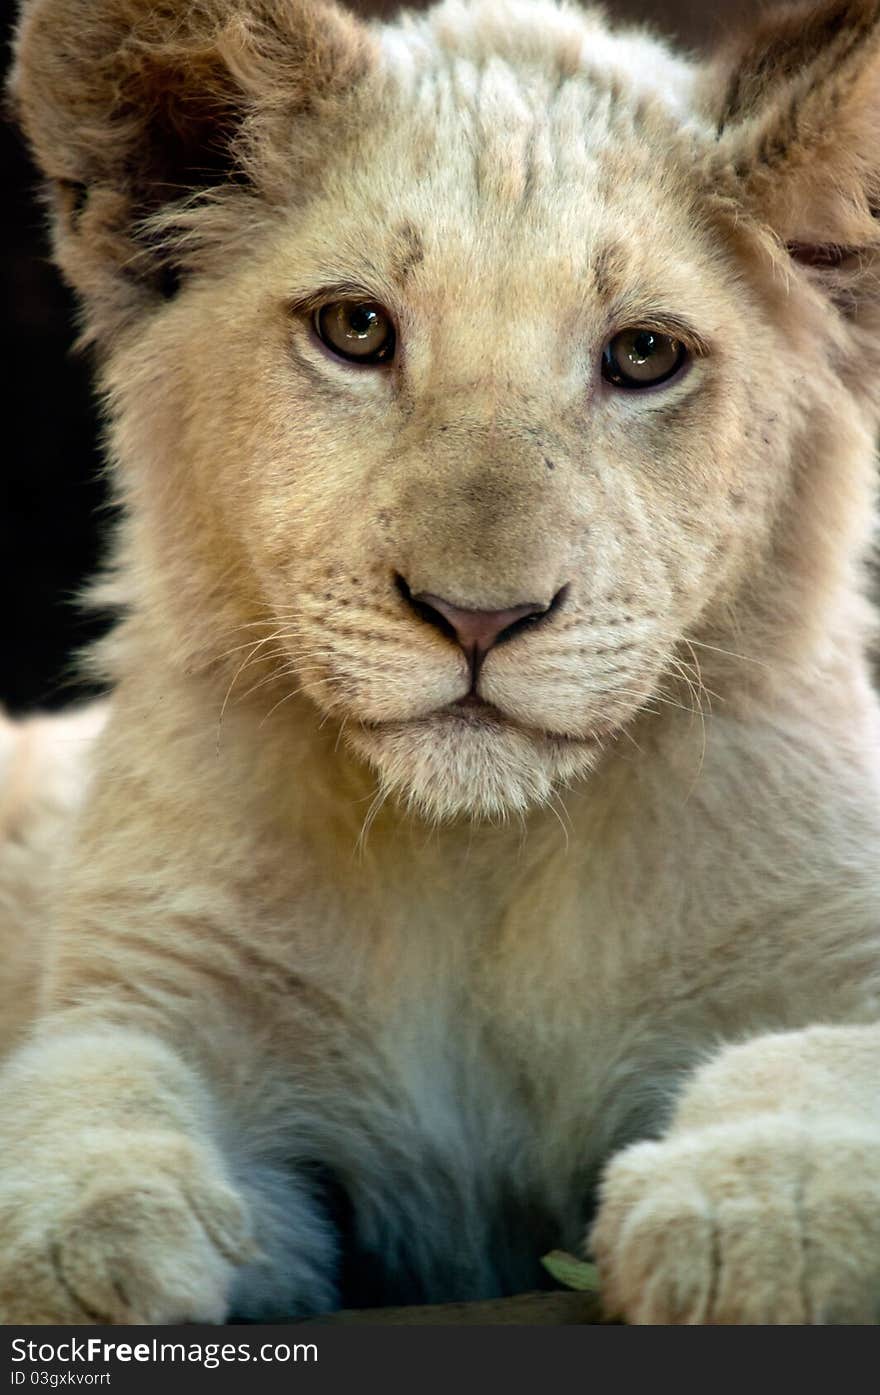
(796, 103)
(133, 106)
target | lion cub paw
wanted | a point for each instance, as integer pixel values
(153, 1234)
(762, 1220)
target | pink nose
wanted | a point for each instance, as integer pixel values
(476, 630)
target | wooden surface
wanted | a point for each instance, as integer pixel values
(524, 1310)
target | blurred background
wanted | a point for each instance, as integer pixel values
(51, 492)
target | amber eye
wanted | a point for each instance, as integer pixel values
(358, 330)
(641, 358)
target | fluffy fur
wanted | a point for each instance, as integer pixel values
(44, 778)
(349, 990)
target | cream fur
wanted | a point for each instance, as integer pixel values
(43, 780)
(317, 934)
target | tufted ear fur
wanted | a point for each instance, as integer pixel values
(796, 103)
(134, 106)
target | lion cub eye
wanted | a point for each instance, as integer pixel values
(641, 358)
(357, 330)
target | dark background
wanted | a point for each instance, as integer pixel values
(51, 493)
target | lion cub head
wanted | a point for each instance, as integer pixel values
(473, 376)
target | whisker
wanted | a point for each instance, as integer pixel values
(370, 817)
(339, 735)
(625, 732)
(250, 644)
(333, 704)
(235, 677)
(287, 671)
(729, 653)
(701, 688)
(646, 698)
(294, 692)
(564, 822)
(293, 661)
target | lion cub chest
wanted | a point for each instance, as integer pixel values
(482, 1155)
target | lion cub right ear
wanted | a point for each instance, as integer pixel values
(134, 106)
(796, 105)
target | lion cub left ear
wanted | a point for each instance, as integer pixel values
(796, 103)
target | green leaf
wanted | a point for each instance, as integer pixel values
(571, 1272)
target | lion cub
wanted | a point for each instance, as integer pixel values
(485, 829)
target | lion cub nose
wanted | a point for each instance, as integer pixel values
(476, 630)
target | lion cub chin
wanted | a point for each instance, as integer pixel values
(480, 854)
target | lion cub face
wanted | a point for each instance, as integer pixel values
(485, 413)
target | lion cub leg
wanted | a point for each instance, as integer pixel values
(762, 1202)
(116, 1203)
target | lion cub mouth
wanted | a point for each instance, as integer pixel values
(472, 708)
(474, 711)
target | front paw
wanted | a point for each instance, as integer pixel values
(122, 1229)
(770, 1219)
